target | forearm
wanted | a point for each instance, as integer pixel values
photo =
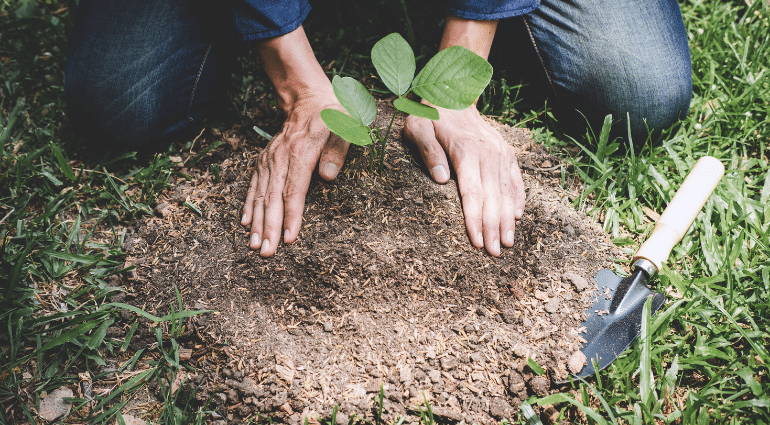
(292, 67)
(474, 35)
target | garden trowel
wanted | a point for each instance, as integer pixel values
(615, 319)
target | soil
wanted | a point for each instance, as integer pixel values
(382, 290)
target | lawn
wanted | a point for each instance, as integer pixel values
(702, 359)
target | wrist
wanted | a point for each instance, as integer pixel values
(292, 67)
(474, 35)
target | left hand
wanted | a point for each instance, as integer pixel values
(488, 175)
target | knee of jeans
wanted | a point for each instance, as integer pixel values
(644, 104)
(661, 102)
(110, 115)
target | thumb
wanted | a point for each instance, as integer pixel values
(420, 132)
(332, 157)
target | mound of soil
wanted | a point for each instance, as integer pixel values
(382, 290)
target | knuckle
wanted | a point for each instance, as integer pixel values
(272, 197)
(292, 190)
(473, 195)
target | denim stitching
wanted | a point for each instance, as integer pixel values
(542, 63)
(197, 78)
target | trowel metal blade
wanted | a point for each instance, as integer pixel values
(615, 319)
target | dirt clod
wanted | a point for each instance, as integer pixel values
(580, 283)
(540, 385)
(576, 362)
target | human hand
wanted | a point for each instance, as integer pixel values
(488, 175)
(276, 196)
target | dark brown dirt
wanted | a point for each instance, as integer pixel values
(383, 289)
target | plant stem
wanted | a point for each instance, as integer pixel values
(375, 135)
(384, 140)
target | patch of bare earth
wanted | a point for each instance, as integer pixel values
(382, 289)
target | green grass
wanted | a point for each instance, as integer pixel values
(702, 359)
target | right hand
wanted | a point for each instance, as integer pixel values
(276, 196)
(488, 175)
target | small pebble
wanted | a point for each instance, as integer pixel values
(576, 362)
(576, 280)
(53, 405)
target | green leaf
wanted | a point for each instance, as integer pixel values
(394, 61)
(98, 336)
(748, 378)
(263, 133)
(70, 335)
(765, 195)
(453, 79)
(415, 108)
(129, 335)
(51, 177)
(193, 208)
(356, 99)
(198, 157)
(530, 414)
(564, 398)
(63, 165)
(77, 258)
(346, 127)
(534, 366)
(25, 9)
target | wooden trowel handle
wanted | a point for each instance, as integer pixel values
(681, 211)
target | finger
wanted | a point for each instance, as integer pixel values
(332, 157)
(507, 221)
(248, 207)
(508, 207)
(490, 177)
(519, 195)
(294, 193)
(472, 197)
(257, 221)
(273, 205)
(422, 133)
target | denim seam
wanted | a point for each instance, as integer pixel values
(540, 58)
(197, 79)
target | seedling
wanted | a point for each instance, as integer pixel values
(453, 79)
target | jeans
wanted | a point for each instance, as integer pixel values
(628, 58)
(141, 74)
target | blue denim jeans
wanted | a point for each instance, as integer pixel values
(628, 58)
(140, 74)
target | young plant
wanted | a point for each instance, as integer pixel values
(453, 79)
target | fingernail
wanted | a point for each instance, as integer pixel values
(285, 235)
(480, 237)
(509, 237)
(496, 247)
(518, 213)
(330, 169)
(254, 240)
(244, 218)
(439, 173)
(265, 246)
